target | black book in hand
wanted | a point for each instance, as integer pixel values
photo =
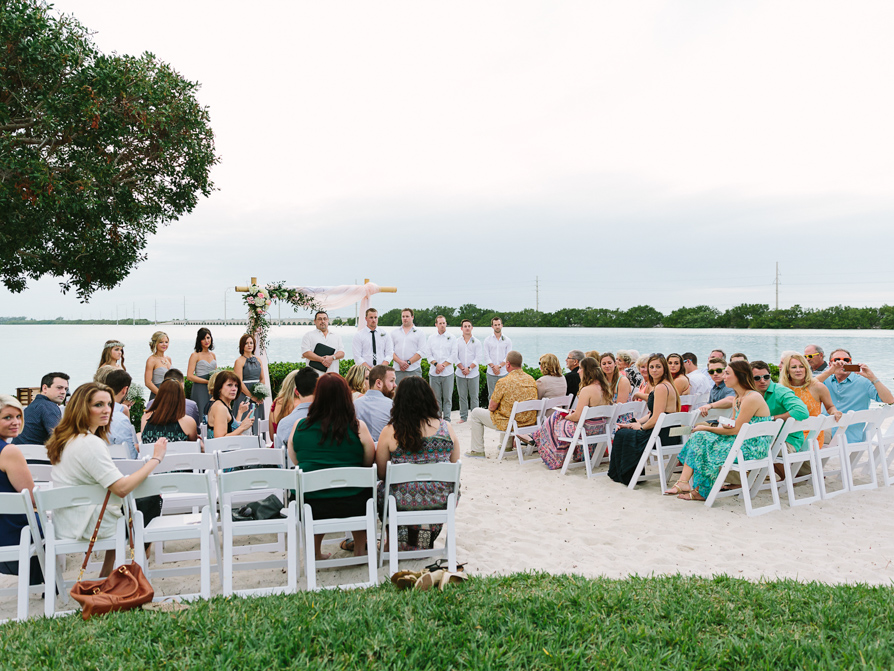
(321, 350)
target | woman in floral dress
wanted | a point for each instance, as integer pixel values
(416, 435)
(708, 447)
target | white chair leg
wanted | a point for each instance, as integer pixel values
(310, 559)
(451, 533)
(392, 535)
(49, 596)
(24, 573)
(371, 542)
(205, 551)
(292, 553)
(226, 513)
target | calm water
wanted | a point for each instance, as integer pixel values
(36, 350)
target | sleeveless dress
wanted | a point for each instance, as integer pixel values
(627, 417)
(10, 528)
(814, 407)
(172, 431)
(233, 423)
(251, 375)
(628, 446)
(158, 376)
(421, 495)
(705, 453)
(553, 451)
(200, 393)
(685, 408)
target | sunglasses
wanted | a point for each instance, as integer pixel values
(714, 371)
(812, 356)
(758, 378)
(842, 358)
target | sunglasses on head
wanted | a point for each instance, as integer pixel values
(846, 359)
(758, 378)
(714, 371)
(812, 356)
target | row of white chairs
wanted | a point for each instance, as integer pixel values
(210, 485)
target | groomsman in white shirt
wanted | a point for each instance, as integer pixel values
(371, 346)
(468, 356)
(441, 355)
(409, 345)
(496, 347)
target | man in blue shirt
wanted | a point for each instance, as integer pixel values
(305, 384)
(121, 431)
(374, 407)
(43, 413)
(720, 395)
(853, 392)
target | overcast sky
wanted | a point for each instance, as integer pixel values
(666, 153)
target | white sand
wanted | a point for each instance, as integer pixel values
(515, 517)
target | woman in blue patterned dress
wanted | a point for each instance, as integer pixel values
(708, 447)
(416, 435)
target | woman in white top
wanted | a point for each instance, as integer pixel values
(80, 456)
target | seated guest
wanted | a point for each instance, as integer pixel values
(738, 356)
(783, 357)
(221, 420)
(285, 400)
(168, 418)
(850, 391)
(720, 395)
(705, 452)
(374, 407)
(782, 401)
(699, 381)
(43, 413)
(592, 353)
(303, 384)
(717, 354)
(416, 435)
(645, 387)
(797, 376)
(627, 365)
(192, 409)
(630, 439)
(516, 385)
(814, 355)
(594, 391)
(618, 383)
(121, 431)
(572, 377)
(14, 477)
(357, 378)
(102, 373)
(80, 456)
(681, 382)
(331, 436)
(551, 383)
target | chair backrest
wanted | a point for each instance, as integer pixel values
(871, 419)
(694, 400)
(232, 443)
(41, 472)
(335, 478)
(174, 447)
(597, 411)
(256, 457)
(557, 402)
(636, 407)
(66, 497)
(174, 483)
(669, 420)
(34, 452)
(119, 451)
(520, 407)
(14, 503)
(185, 461)
(812, 426)
(258, 479)
(129, 466)
(444, 471)
(749, 431)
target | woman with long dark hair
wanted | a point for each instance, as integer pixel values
(630, 440)
(416, 435)
(331, 436)
(167, 418)
(681, 380)
(202, 363)
(250, 372)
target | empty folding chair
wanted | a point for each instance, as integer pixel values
(751, 471)
(885, 444)
(602, 442)
(27, 547)
(256, 481)
(338, 478)
(832, 454)
(49, 500)
(189, 526)
(513, 430)
(34, 453)
(665, 457)
(854, 449)
(793, 461)
(447, 475)
(232, 443)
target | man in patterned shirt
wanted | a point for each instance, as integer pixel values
(517, 385)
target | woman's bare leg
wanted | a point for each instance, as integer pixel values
(318, 547)
(108, 563)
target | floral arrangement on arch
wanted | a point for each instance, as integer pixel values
(258, 301)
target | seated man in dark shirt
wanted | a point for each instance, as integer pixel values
(43, 413)
(572, 378)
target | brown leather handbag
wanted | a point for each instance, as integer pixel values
(127, 587)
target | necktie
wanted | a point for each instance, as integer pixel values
(373, 334)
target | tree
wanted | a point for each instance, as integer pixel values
(95, 152)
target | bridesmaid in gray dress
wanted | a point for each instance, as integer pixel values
(202, 363)
(250, 372)
(157, 364)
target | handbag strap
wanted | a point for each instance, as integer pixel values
(94, 535)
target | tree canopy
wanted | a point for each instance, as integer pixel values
(95, 152)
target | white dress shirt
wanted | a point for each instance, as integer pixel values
(441, 348)
(407, 345)
(362, 347)
(468, 353)
(495, 351)
(699, 382)
(315, 337)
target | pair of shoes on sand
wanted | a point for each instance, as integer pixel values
(426, 579)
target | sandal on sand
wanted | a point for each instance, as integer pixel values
(678, 488)
(347, 545)
(428, 580)
(691, 495)
(165, 606)
(451, 578)
(405, 579)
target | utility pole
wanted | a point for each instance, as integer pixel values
(537, 292)
(777, 285)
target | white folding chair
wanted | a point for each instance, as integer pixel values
(552, 404)
(694, 401)
(34, 452)
(232, 443)
(665, 457)
(793, 461)
(42, 474)
(337, 478)
(189, 526)
(602, 442)
(29, 546)
(49, 500)
(853, 450)
(751, 471)
(263, 426)
(174, 447)
(119, 451)
(255, 458)
(885, 443)
(256, 481)
(831, 454)
(513, 430)
(398, 474)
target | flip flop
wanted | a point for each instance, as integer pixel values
(691, 495)
(405, 579)
(449, 578)
(428, 580)
(347, 545)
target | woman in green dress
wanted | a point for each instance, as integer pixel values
(708, 447)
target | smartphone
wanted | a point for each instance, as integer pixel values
(851, 368)
(251, 406)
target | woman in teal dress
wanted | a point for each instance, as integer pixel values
(708, 447)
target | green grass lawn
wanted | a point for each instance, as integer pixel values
(524, 621)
